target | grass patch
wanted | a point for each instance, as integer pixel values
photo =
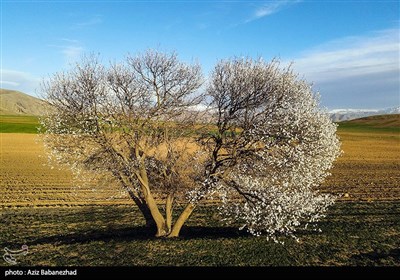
(19, 124)
(378, 124)
(361, 127)
(352, 234)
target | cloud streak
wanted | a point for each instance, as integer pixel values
(8, 83)
(69, 48)
(362, 70)
(18, 80)
(72, 53)
(95, 20)
(270, 8)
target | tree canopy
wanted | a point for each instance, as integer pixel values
(262, 147)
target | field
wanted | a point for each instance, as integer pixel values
(369, 169)
(64, 224)
(18, 124)
(27, 180)
(354, 233)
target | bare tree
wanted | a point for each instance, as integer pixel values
(270, 148)
(129, 122)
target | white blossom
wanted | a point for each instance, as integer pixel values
(273, 147)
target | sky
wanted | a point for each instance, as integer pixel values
(348, 49)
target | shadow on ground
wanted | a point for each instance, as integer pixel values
(138, 233)
(377, 255)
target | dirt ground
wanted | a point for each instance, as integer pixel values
(368, 170)
(26, 179)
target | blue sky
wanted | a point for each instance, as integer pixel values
(348, 49)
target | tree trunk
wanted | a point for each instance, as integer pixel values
(181, 220)
(144, 209)
(168, 212)
(151, 203)
(149, 208)
(150, 223)
(158, 218)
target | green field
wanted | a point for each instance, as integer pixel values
(385, 123)
(67, 226)
(352, 234)
(18, 124)
(376, 124)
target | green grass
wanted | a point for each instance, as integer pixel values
(373, 124)
(352, 234)
(18, 124)
(368, 128)
(30, 124)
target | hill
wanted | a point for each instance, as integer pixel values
(19, 124)
(383, 123)
(339, 115)
(18, 103)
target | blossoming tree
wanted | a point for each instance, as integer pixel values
(271, 148)
(263, 152)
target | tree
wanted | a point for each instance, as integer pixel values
(272, 146)
(127, 123)
(263, 152)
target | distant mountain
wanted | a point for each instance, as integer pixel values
(339, 115)
(18, 103)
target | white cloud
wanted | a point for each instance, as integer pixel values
(353, 56)
(8, 83)
(361, 70)
(270, 8)
(94, 20)
(69, 41)
(18, 80)
(72, 53)
(71, 49)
